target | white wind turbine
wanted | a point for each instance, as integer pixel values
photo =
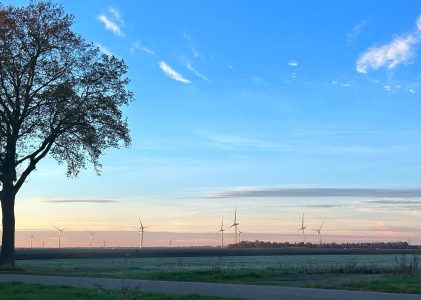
(31, 238)
(221, 230)
(319, 235)
(91, 237)
(239, 235)
(141, 229)
(303, 228)
(59, 230)
(235, 225)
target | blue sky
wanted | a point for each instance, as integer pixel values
(250, 95)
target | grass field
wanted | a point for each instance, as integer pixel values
(20, 291)
(391, 273)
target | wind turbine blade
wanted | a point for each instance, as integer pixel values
(231, 226)
(321, 224)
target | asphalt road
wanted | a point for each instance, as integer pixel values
(256, 292)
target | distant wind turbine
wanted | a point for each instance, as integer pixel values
(59, 230)
(303, 228)
(235, 225)
(31, 238)
(91, 237)
(141, 231)
(239, 235)
(319, 235)
(221, 230)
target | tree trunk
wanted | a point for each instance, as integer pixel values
(7, 256)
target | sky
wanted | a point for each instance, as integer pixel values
(278, 107)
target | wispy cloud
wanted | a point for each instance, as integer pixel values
(192, 46)
(387, 88)
(233, 142)
(189, 67)
(293, 63)
(115, 13)
(418, 22)
(398, 51)
(110, 21)
(98, 201)
(170, 72)
(324, 205)
(356, 31)
(393, 202)
(319, 192)
(138, 46)
(342, 84)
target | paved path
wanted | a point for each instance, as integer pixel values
(255, 292)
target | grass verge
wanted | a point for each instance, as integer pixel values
(21, 291)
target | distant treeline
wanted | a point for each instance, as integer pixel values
(372, 245)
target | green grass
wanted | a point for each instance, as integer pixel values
(369, 272)
(20, 291)
(389, 283)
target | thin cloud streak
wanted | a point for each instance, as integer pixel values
(192, 47)
(189, 67)
(393, 202)
(98, 201)
(170, 72)
(319, 192)
(138, 46)
(116, 14)
(110, 25)
(356, 31)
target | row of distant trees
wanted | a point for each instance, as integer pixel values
(371, 245)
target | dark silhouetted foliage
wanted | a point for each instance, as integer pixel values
(59, 96)
(372, 245)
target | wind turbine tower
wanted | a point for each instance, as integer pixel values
(91, 237)
(221, 230)
(239, 235)
(235, 225)
(141, 231)
(303, 228)
(59, 230)
(319, 235)
(31, 238)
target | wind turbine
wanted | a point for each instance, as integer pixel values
(303, 228)
(31, 238)
(235, 225)
(91, 237)
(222, 232)
(239, 235)
(60, 230)
(319, 236)
(141, 231)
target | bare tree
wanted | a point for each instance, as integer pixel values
(59, 96)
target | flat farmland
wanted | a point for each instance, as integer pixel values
(287, 263)
(377, 271)
(67, 253)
